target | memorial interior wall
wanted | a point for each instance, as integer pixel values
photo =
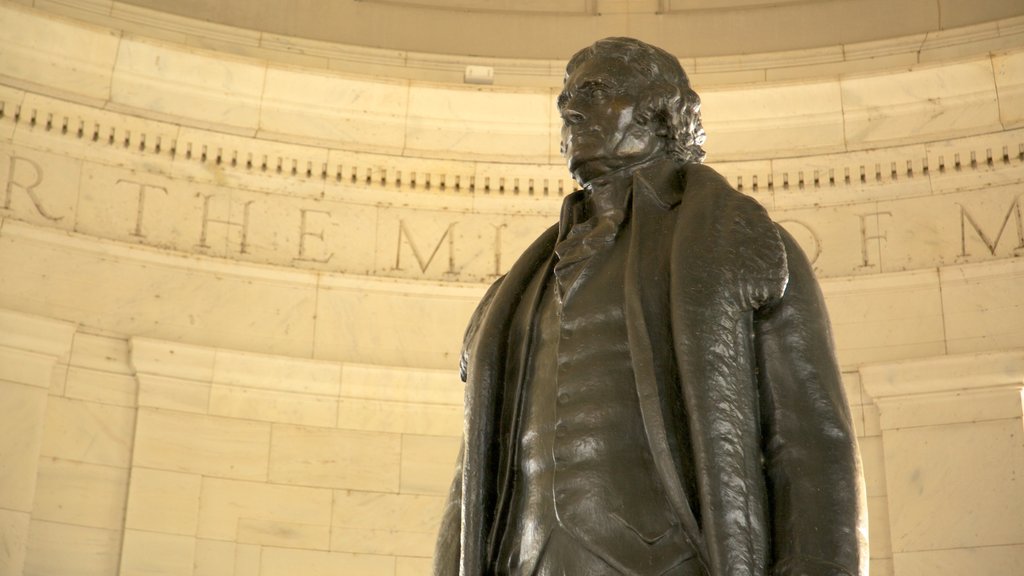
(234, 279)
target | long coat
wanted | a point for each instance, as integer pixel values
(732, 352)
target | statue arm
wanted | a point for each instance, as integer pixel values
(449, 536)
(812, 467)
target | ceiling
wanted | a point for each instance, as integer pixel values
(555, 29)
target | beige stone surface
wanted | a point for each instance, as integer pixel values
(163, 501)
(287, 561)
(208, 445)
(265, 514)
(173, 393)
(347, 112)
(886, 317)
(80, 494)
(387, 524)
(968, 467)
(170, 82)
(987, 561)
(1009, 74)
(14, 533)
(270, 406)
(88, 432)
(982, 306)
(59, 56)
(101, 386)
(901, 108)
(335, 458)
(153, 554)
(428, 463)
(55, 548)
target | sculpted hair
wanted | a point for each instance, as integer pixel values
(667, 99)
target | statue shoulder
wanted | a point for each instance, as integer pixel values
(737, 237)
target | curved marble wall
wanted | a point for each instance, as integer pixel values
(233, 290)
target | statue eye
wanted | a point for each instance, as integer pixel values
(599, 93)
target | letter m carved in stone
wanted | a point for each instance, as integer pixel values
(991, 243)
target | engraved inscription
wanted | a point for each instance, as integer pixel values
(424, 262)
(871, 219)
(141, 202)
(304, 233)
(33, 177)
(243, 226)
(991, 243)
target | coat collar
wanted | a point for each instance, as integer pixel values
(659, 180)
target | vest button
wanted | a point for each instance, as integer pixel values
(561, 430)
(563, 397)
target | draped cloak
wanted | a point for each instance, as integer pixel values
(732, 353)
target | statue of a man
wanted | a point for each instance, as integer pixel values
(651, 389)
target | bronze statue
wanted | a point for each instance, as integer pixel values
(651, 389)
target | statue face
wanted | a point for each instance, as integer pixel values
(600, 131)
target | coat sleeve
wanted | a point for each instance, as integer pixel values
(814, 481)
(447, 553)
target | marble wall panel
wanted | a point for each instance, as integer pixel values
(352, 113)
(174, 359)
(14, 533)
(287, 562)
(187, 85)
(83, 551)
(193, 300)
(335, 458)
(276, 373)
(1009, 70)
(197, 444)
(22, 367)
(886, 317)
(80, 494)
(801, 119)
(173, 394)
(400, 417)
(22, 413)
(924, 103)
(982, 561)
(100, 386)
(926, 465)
(265, 514)
(387, 524)
(428, 463)
(58, 56)
(39, 187)
(88, 432)
(982, 305)
(479, 123)
(156, 554)
(433, 341)
(270, 406)
(401, 384)
(102, 354)
(163, 501)
(405, 566)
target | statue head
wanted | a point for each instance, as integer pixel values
(624, 102)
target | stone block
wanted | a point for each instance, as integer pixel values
(288, 562)
(155, 554)
(22, 421)
(162, 501)
(89, 432)
(428, 463)
(80, 494)
(206, 445)
(55, 548)
(335, 458)
(387, 524)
